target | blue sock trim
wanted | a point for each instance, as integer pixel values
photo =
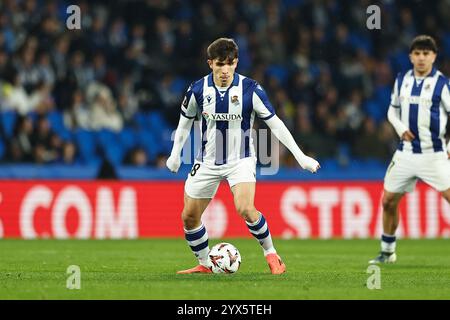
(388, 239)
(196, 235)
(201, 246)
(258, 225)
(262, 235)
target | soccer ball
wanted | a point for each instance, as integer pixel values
(224, 258)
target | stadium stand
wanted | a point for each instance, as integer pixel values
(110, 92)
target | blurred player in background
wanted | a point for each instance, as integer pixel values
(227, 103)
(419, 110)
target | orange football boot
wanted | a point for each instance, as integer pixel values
(198, 269)
(276, 265)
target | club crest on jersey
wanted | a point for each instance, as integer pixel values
(234, 100)
(427, 87)
(221, 116)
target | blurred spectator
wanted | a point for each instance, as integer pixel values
(4, 64)
(58, 55)
(83, 73)
(77, 115)
(117, 36)
(21, 145)
(41, 100)
(26, 66)
(68, 153)
(15, 97)
(350, 117)
(99, 66)
(369, 143)
(47, 145)
(128, 106)
(311, 142)
(160, 161)
(390, 139)
(45, 70)
(104, 114)
(136, 157)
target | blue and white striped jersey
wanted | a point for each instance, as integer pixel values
(424, 108)
(226, 117)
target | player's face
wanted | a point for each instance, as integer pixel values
(223, 71)
(422, 60)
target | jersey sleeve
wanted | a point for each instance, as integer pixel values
(445, 97)
(261, 104)
(189, 105)
(395, 100)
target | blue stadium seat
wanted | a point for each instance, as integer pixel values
(446, 43)
(33, 115)
(8, 119)
(329, 164)
(357, 164)
(179, 86)
(128, 139)
(278, 72)
(288, 4)
(56, 121)
(65, 135)
(161, 130)
(110, 145)
(373, 108)
(105, 138)
(375, 164)
(141, 119)
(149, 143)
(115, 154)
(359, 42)
(156, 123)
(400, 61)
(55, 118)
(87, 149)
(2, 149)
(314, 70)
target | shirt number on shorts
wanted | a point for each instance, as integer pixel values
(194, 169)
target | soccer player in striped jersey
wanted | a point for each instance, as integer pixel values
(419, 111)
(227, 102)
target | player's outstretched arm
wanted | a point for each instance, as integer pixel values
(181, 134)
(282, 133)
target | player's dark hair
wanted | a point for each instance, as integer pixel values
(224, 49)
(423, 42)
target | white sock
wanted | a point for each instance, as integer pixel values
(198, 241)
(388, 243)
(260, 231)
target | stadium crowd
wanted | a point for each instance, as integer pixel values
(112, 89)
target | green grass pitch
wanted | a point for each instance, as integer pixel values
(146, 269)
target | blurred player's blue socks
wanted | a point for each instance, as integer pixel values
(260, 231)
(198, 241)
(388, 243)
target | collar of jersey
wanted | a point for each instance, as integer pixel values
(234, 83)
(431, 74)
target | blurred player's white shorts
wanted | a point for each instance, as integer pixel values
(203, 180)
(406, 168)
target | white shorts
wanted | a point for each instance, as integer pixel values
(204, 180)
(406, 168)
